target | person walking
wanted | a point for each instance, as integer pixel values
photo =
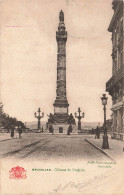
(42, 130)
(69, 129)
(96, 133)
(12, 131)
(52, 130)
(20, 132)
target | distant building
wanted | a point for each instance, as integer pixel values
(115, 86)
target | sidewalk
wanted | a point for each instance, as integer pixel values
(115, 146)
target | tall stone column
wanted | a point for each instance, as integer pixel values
(61, 103)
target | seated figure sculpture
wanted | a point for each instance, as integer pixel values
(51, 118)
(71, 119)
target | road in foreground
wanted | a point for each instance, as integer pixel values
(50, 147)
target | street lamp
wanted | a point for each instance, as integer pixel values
(39, 117)
(105, 144)
(79, 118)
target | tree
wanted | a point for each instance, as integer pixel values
(7, 122)
(1, 114)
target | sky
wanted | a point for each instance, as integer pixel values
(29, 56)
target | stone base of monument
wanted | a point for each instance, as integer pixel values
(62, 128)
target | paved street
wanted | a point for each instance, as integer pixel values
(49, 147)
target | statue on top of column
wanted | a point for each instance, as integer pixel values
(61, 16)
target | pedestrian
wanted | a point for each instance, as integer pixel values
(68, 132)
(52, 130)
(69, 129)
(12, 131)
(96, 133)
(20, 132)
(42, 130)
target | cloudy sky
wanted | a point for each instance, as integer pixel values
(29, 55)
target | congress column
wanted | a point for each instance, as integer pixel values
(61, 103)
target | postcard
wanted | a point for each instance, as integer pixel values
(62, 97)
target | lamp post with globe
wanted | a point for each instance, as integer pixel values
(105, 144)
(39, 117)
(79, 117)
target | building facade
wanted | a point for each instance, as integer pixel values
(115, 86)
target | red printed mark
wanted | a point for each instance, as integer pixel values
(17, 173)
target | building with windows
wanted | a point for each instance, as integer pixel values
(115, 86)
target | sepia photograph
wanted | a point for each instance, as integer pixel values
(61, 97)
